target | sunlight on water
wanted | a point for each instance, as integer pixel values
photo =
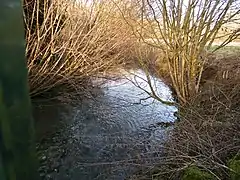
(108, 136)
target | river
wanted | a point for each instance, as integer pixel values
(108, 136)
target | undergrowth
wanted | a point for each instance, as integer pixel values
(206, 138)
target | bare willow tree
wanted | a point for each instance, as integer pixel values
(69, 41)
(183, 30)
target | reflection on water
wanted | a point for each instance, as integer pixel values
(109, 136)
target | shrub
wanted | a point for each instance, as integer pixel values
(70, 41)
(182, 30)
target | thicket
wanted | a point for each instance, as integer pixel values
(70, 41)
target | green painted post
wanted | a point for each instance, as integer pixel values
(17, 147)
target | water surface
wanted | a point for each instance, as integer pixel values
(109, 135)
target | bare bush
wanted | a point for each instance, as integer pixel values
(68, 41)
(182, 30)
(207, 136)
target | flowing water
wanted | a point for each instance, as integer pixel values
(109, 136)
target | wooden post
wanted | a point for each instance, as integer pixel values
(17, 146)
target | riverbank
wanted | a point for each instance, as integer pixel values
(207, 135)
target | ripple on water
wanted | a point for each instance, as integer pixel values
(112, 135)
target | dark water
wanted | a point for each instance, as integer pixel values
(108, 136)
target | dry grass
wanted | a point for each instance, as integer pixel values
(68, 42)
(207, 135)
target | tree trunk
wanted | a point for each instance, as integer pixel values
(17, 146)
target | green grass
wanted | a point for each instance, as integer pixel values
(194, 173)
(226, 49)
(234, 165)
